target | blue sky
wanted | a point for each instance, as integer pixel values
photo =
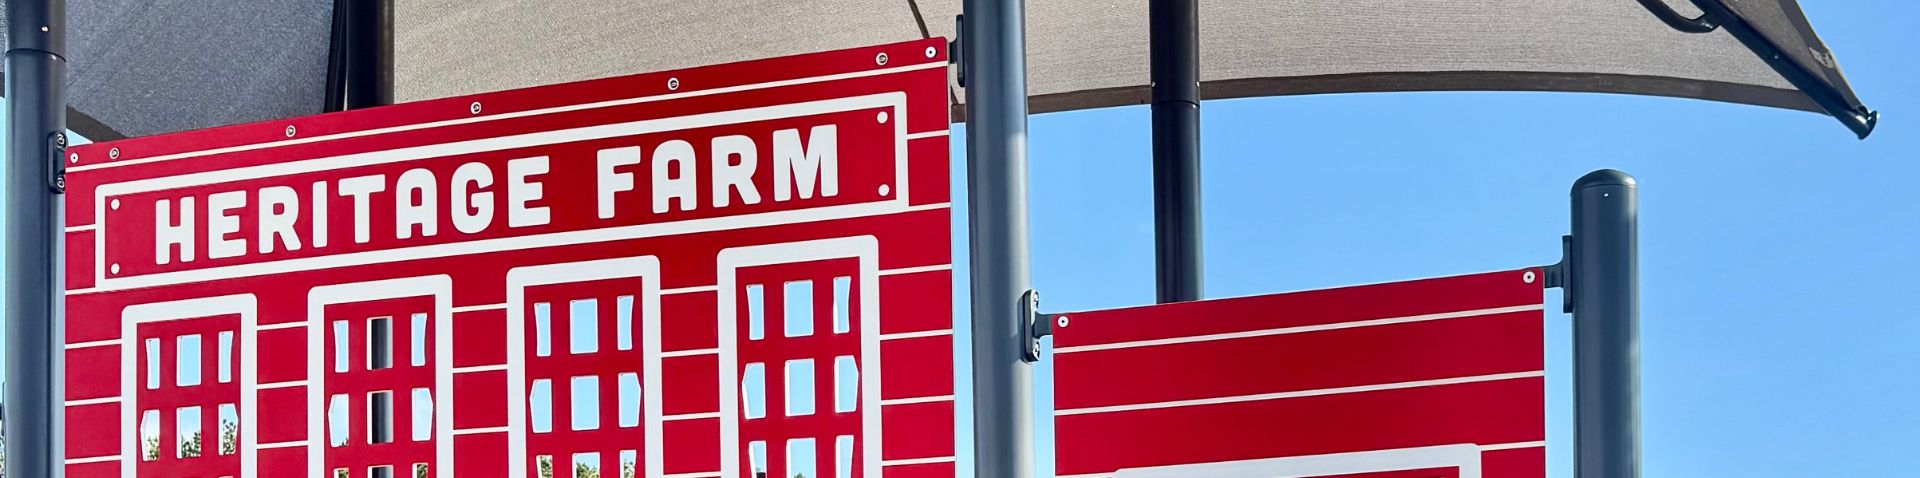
(1779, 265)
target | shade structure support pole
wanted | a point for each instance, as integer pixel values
(360, 59)
(993, 50)
(1175, 49)
(1603, 282)
(36, 158)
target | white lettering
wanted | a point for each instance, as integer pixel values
(520, 192)
(320, 214)
(818, 161)
(279, 208)
(220, 223)
(680, 183)
(361, 189)
(611, 181)
(729, 176)
(408, 211)
(472, 212)
(168, 233)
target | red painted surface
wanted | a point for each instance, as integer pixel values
(649, 184)
(1449, 361)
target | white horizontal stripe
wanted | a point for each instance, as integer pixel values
(286, 384)
(915, 335)
(914, 400)
(481, 368)
(1297, 330)
(284, 444)
(918, 461)
(88, 227)
(690, 416)
(1513, 446)
(476, 308)
(517, 114)
(96, 343)
(689, 353)
(1302, 393)
(689, 290)
(927, 134)
(282, 325)
(92, 401)
(92, 459)
(916, 270)
(479, 431)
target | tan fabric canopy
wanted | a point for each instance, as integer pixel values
(174, 65)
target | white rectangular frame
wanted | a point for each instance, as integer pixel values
(646, 268)
(131, 317)
(1465, 457)
(866, 249)
(440, 287)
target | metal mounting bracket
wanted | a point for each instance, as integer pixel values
(957, 50)
(1038, 325)
(1558, 273)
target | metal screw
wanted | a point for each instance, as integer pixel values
(1061, 321)
(60, 139)
(884, 190)
(881, 59)
(673, 84)
(931, 52)
(115, 204)
(290, 131)
(113, 153)
(116, 268)
(73, 157)
(882, 117)
(474, 108)
(1529, 277)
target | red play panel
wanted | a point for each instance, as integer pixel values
(708, 272)
(1441, 377)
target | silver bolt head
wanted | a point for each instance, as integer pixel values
(290, 131)
(113, 153)
(1529, 277)
(931, 52)
(881, 59)
(474, 108)
(673, 84)
(1062, 321)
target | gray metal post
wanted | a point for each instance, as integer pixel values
(1604, 284)
(1174, 34)
(36, 133)
(995, 63)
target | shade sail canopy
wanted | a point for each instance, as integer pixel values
(174, 65)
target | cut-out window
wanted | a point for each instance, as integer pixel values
(153, 364)
(418, 344)
(801, 458)
(229, 429)
(798, 299)
(380, 471)
(226, 357)
(422, 424)
(583, 326)
(623, 329)
(186, 354)
(629, 400)
(150, 435)
(629, 464)
(586, 403)
(540, 403)
(756, 312)
(846, 384)
(753, 390)
(542, 329)
(799, 397)
(421, 470)
(186, 422)
(843, 456)
(340, 352)
(337, 420)
(379, 417)
(842, 291)
(757, 456)
(545, 462)
(379, 343)
(342, 473)
(586, 465)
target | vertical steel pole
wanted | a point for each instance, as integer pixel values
(360, 61)
(995, 54)
(1605, 286)
(36, 134)
(1175, 49)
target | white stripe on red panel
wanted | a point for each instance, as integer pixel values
(1303, 393)
(1298, 330)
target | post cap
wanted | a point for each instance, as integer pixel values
(1605, 177)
